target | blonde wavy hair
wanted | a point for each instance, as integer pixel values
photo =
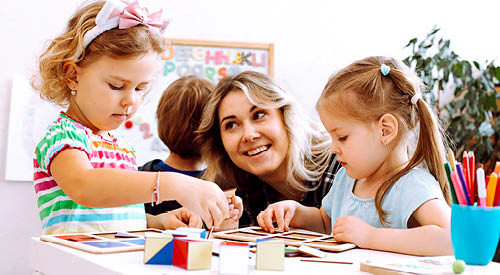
(363, 93)
(308, 153)
(50, 80)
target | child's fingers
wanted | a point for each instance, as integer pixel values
(235, 214)
(219, 212)
(260, 221)
(238, 204)
(206, 217)
(176, 223)
(267, 219)
(338, 228)
(195, 221)
(340, 237)
(223, 206)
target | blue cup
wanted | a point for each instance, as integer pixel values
(475, 232)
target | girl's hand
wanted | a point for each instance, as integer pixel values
(235, 212)
(280, 212)
(180, 217)
(352, 229)
(206, 199)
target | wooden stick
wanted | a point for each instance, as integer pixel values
(324, 261)
(210, 233)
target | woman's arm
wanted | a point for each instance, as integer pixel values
(431, 238)
(110, 187)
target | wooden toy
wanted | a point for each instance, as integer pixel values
(191, 233)
(159, 248)
(192, 254)
(233, 258)
(270, 254)
(102, 242)
(294, 237)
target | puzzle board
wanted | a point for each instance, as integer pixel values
(295, 237)
(102, 242)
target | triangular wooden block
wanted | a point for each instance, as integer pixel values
(158, 248)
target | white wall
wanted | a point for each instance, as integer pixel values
(312, 39)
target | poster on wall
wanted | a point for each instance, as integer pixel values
(213, 60)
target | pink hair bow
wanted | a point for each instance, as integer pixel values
(114, 14)
(133, 15)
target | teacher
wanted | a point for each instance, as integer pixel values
(255, 137)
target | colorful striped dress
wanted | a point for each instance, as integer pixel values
(58, 213)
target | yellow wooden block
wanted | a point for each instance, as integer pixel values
(270, 254)
(200, 255)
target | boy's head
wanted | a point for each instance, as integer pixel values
(179, 114)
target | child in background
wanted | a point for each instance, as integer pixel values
(379, 199)
(85, 177)
(179, 114)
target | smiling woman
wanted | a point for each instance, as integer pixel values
(255, 137)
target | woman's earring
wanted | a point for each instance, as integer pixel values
(383, 142)
(73, 92)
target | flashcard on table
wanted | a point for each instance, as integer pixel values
(270, 254)
(295, 237)
(421, 265)
(192, 254)
(159, 248)
(233, 258)
(314, 252)
(102, 242)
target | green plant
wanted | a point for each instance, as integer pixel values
(470, 117)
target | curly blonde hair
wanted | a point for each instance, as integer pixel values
(50, 80)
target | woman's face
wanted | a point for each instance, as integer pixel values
(254, 138)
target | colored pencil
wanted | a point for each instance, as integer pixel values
(491, 189)
(458, 188)
(496, 201)
(460, 173)
(447, 167)
(451, 159)
(481, 188)
(497, 168)
(465, 169)
(472, 169)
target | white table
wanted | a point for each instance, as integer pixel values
(52, 259)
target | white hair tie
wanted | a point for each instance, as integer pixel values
(415, 98)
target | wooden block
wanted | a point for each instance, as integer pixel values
(176, 233)
(158, 248)
(270, 254)
(233, 258)
(193, 233)
(192, 254)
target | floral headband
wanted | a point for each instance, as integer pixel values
(114, 14)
